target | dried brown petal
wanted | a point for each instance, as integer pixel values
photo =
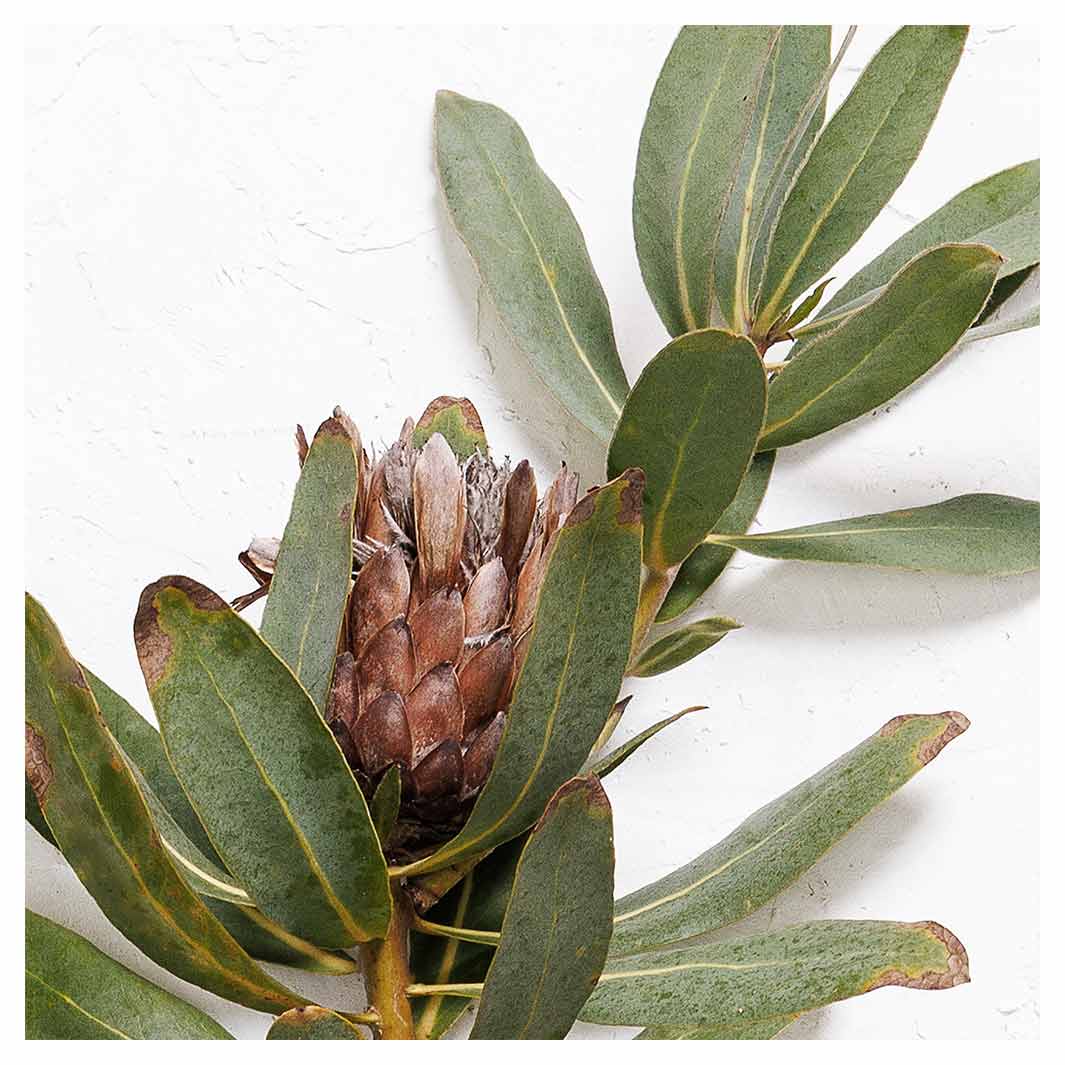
(483, 680)
(439, 514)
(439, 773)
(381, 594)
(560, 500)
(438, 628)
(528, 588)
(301, 445)
(343, 703)
(434, 710)
(263, 551)
(375, 527)
(519, 509)
(386, 662)
(381, 735)
(486, 485)
(477, 762)
(487, 599)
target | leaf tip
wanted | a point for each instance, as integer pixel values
(153, 644)
(953, 723)
(952, 972)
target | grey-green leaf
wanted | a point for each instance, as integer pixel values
(609, 762)
(557, 926)
(1003, 324)
(858, 162)
(579, 645)
(75, 991)
(764, 976)
(708, 561)
(309, 588)
(778, 843)
(691, 423)
(531, 256)
(384, 806)
(261, 768)
(690, 148)
(1001, 211)
(884, 347)
(681, 645)
(312, 1022)
(979, 534)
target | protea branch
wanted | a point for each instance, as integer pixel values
(404, 763)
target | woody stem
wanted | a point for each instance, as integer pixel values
(386, 972)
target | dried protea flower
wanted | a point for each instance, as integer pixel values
(449, 552)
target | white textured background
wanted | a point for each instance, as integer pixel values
(230, 230)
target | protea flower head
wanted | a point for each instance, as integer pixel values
(449, 551)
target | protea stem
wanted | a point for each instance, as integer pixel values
(386, 972)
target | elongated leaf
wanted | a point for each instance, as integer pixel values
(761, 1029)
(1004, 324)
(92, 804)
(860, 159)
(681, 645)
(567, 687)
(174, 818)
(309, 589)
(980, 534)
(384, 807)
(557, 926)
(36, 818)
(690, 148)
(881, 349)
(782, 840)
(1001, 211)
(531, 256)
(608, 763)
(261, 768)
(75, 991)
(1005, 289)
(457, 421)
(708, 561)
(478, 902)
(763, 976)
(312, 1022)
(691, 423)
(796, 65)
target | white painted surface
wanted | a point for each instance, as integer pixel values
(232, 230)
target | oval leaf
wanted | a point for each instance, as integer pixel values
(557, 925)
(608, 763)
(708, 561)
(882, 348)
(74, 991)
(690, 148)
(578, 649)
(858, 162)
(309, 587)
(680, 645)
(237, 723)
(782, 840)
(95, 809)
(763, 976)
(312, 1022)
(691, 423)
(457, 421)
(981, 534)
(531, 256)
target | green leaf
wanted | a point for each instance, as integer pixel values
(690, 148)
(384, 806)
(1001, 211)
(778, 843)
(479, 902)
(1005, 289)
(74, 991)
(457, 421)
(531, 256)
(980, 534)
(557, 926)
(608, 763)
(176, 821)
(763, 976)
(760, 1029)
(691, 423)
(309, 588)
(796, 66)
(36, 818)
(261, 768)
(92, 804)
(681, 645)
(578, 648)
(884, 347)
(707, 562)
(1004, 324)
(858, 162)
(312, 1022)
